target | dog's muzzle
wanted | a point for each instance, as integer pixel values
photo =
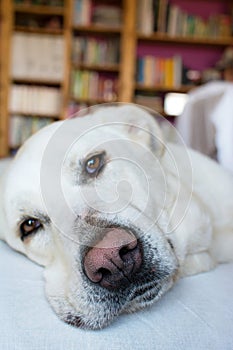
(114, 260)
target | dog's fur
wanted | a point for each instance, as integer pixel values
(178, 204)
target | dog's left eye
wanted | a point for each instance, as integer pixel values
(94, 164)
(29, 227)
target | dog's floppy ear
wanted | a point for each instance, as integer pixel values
(142, 127)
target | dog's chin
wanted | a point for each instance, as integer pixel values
(138, 298)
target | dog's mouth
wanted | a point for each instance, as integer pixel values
(122, 271)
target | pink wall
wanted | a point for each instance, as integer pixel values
(203, 8)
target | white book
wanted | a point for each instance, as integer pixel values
(145, 16)
(57, 58)
(177, 70)
(173, 20)
(19, 48)
(15, 131)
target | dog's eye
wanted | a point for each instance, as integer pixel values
(94, 164)
(29, 227)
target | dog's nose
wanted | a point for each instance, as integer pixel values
(113, 261)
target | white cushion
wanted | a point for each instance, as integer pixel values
(196, 314)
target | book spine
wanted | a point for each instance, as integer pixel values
(43, 57)
(27, 99)
(88, 85)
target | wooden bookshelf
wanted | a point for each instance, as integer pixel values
(94, 28)
(38, 30)
(130, 40)
(162, 88)
(39, 9)
(90, 101)
(165, 38)
(38, 115)
(114, 68)
(31, 81)
(5, 42)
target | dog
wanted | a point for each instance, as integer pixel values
(114, 213)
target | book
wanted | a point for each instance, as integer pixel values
(37, 100)
(82, 12)
(149, 100)
(145, 17)
(152, 71)
(91, 85)
(165, 17)
(107, 15)
(36, 56)
(95, 51)
(22, 127)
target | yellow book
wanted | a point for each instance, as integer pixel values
(169, 72)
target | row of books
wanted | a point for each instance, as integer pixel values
(164, 17)
(75, 108)
(95, 51)
(21, 128)
(153, 71)
(87, 12)
(151, 101)
(93, 86)
(26, 99)
(37, 56)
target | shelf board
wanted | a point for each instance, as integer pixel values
(96, 67)
(35, 115)
(31, 81)
(162, 88)
(39, 30)
(165, 38)
(39, 9)
(90, 101)
(94, 28)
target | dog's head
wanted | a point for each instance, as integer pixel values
(85, 198)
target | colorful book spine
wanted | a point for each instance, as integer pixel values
(95, 51)
(22, 127)
(152, 71)
(169, 18)
(89, 85)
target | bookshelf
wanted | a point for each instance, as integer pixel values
(5, 32)
(196, 31)
(159, 38)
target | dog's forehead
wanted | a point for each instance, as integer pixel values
(70, 140)
(67, 140)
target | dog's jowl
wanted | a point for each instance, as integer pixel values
(114, 213)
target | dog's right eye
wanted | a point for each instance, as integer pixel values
(29, 227)
(94, 164)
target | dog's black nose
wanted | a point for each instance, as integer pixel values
(113, 260)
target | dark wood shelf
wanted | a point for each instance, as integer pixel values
(90, 101)
(162, 88)
(39, 30)
(31, 81)
(39, 9)
(165, 38)
(94, 28)
(35, 115)
(96, 67)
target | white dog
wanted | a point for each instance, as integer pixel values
(114, 213)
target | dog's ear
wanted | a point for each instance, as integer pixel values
(142, 127)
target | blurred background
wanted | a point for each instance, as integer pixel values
(173, 56)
